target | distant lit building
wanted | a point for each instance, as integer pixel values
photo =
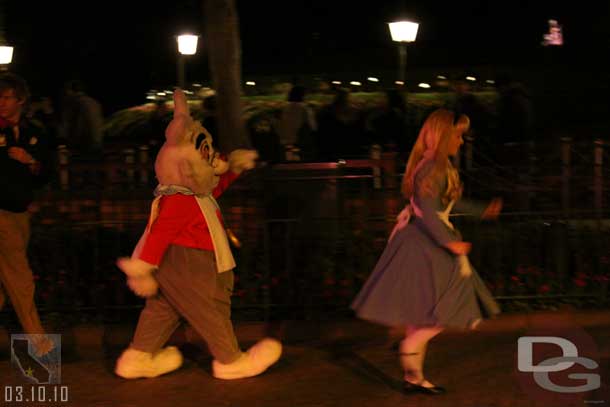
(554, 36)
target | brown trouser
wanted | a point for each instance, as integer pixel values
(16, 279)
(191, 288)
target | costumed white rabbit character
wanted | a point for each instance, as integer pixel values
(183, 263)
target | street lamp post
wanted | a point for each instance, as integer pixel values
(6, 54)
(403, 32)
(187, 45)
(6, 51)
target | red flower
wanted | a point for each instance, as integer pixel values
(543, 289)
(579, 282)
(534, 270)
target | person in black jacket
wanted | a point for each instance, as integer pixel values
(24, 157)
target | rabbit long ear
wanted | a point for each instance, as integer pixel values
(181, 106)
(179, 124)
(176, 129)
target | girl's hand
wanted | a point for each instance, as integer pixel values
(19, 154)
(464, 267)
(459, 248)
(493, 210)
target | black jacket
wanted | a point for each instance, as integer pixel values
(17, 182)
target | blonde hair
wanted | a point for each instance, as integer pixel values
(438, 126)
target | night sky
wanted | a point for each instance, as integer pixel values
(121, 49)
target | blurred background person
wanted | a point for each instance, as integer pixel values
(82, 121)
(210, 119)
(515, 111)
(340, 131)
(42, 110)
(465, 102)
(297, 124)
(24, 158)
(155, 128)
(388, 125)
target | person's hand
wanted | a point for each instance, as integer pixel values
(459, 248)
(19, 154)
(493, 209)
(464, 267)
(140, 278)
(242, 160)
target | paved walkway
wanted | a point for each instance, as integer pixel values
(346, 363)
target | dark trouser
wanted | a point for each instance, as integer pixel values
(16, 279)
(190, 287)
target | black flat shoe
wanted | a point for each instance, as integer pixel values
(411, 388)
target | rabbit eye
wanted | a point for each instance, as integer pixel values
(200, 139)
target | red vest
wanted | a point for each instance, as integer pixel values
(180, 222)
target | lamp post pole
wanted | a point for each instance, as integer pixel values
(181, 74)
(6, 51)
(402, 61)
(403, 32)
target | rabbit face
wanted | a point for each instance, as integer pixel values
(187, 158)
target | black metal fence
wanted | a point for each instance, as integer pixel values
(311, 234)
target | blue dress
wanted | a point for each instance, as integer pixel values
(417, 280)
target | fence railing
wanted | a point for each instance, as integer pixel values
(528, 166)
(310, 235)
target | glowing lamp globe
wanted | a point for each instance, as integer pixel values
(6, 54)
(403, 31)
(187, 44)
